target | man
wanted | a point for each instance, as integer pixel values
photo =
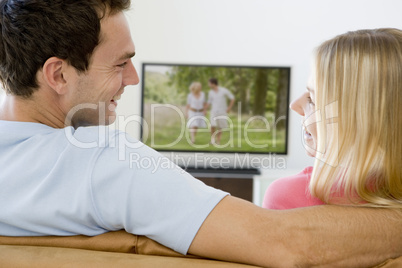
(64, 66)
(217, 99)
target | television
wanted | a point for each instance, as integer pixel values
(210, 135)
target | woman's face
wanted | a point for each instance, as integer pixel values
(305, 106)
(197, 89)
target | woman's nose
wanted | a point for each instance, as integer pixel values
(296, 106)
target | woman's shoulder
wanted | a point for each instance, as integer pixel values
(290, 192)
(294, 182)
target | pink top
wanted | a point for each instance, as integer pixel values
(291, 192)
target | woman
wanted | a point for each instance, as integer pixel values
(353, 125)
(195, 109)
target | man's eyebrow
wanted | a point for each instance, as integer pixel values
(126, 56)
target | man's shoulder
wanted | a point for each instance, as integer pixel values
(224, 91)
(103, 137)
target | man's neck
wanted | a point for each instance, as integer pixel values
(14, 108)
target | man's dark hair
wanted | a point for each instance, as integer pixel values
(213, 81)
(32, 31)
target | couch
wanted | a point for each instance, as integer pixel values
(112, 249)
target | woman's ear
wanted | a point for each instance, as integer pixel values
(53, 74)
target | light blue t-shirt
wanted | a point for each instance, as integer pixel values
(90, 180)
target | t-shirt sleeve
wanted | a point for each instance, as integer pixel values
(229, 94)
(143, 192)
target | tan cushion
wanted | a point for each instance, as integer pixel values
(50, 257)
(392, 263)
(104, 250)
(119, 241)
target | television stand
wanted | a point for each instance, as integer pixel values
(237, 182)
(223, 172)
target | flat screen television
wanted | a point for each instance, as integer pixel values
(177, 120)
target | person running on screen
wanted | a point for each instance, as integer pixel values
(217, 100)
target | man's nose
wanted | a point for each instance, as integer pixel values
(130, 75)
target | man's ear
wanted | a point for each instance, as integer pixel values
(53, 74)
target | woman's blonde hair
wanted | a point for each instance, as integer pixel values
(359, 103)
(195, 87)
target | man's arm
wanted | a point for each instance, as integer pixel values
(331, 236)
(206, 107)
(230, 105)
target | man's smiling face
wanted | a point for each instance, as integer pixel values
(110, 71)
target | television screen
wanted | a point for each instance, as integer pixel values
(209, 108)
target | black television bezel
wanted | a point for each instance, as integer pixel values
(144, 64)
